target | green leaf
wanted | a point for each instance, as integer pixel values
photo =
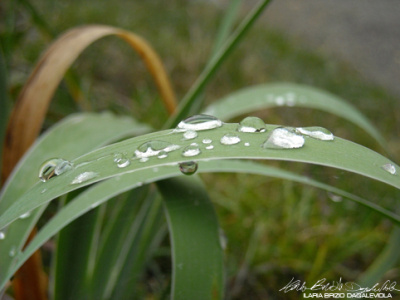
(70, 138)
(290, 94)
(196, 250)
(100, 164)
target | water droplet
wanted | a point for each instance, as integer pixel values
(121, 160)
(199, 122)
(207, 141)
(334, 197)
(2, 235)
(155, 170)
(43, 191)
(85, 176)
(210, 147)
(282, 138)
(190, 134)
(25, 215)
(54, 167)
(247, 144)
(191, 150)
(316, 132)
(230, 139)
(153, 148)
(188, 167)
(251, 124)
(13, 251)
(280, 101)
(390, 168)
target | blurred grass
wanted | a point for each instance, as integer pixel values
(275, 230)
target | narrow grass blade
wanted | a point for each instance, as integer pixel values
(196, 250)
(26, 119)
(99, 164)
(290, 94)
(213, 65)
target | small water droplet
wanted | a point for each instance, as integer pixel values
(121, 160)
(209, 147)
(155, 170)
(43, 191)
(199, 122)
(390, 168)
(334, 197)
(25, 215)
(207, 141)
(153, 148)
(316, 132)
(190, 134)
(54, 167)
(280, 101)
(191, 150)
(251, 124)
(247, 144)
(85, 176)
(13, 251)
(2, 235)
(230, 139)
(188, 167)
(282, 138)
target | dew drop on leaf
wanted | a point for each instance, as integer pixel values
(316, 132)
(390, 168)
(13, 251)
(154, 148)
(85, 176)
(207, 141)
(190, 134)
(199, 122)
(188, 167)
(230, 139)
(209, 147)
(191, 150)
(247, 144)
(54, 167)
(251, 124)
(121, 160)
(25, 215)
(2, 235)
(282, 138)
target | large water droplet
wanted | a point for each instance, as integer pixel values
(230, 139)
(153, 148)
(282, 138)
(2, 235)
(191, 150)
(188, 167)
(85, 176)
(251, 124)
(390, 168)
(190, 134)
(54, 167)
(316, 132)
(121, 160)
(199, 122)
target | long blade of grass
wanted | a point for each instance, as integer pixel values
(99, 164)
(194, 232)
(26, 119)
(214, 63)
(103, 191)
(290, 94)
(70, 138)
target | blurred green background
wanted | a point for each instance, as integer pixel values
(275, 230)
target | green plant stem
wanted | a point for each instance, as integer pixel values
(214, 64)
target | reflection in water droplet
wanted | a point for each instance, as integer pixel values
(199, 122)
(282, 138)
(188, 167)
(13, 251)
(121, 160)
(153, 148)
(190, 134)
(2, 235)
(251, 124)
(316, 132)
(85, 176)
(334, 197)
(54, 167)
(230, 139)
(25, 215)
(207, 141)
(191, 150)
(390, 168)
